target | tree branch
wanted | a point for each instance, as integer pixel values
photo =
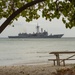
(13, 15)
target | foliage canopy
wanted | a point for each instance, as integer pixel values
(50, 9)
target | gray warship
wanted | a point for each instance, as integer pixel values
(38, 34)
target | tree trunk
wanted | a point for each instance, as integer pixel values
(13, 15)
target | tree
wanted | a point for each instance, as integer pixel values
(50, 9)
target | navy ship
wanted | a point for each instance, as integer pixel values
(38, 34)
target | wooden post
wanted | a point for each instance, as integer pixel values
(57, 59)
(63, 62)
(54, 62)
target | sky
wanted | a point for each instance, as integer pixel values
(55, 26)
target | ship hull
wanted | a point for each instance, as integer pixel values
(51, 36)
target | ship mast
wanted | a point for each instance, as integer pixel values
(37, 28)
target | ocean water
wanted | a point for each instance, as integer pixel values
(30, 51)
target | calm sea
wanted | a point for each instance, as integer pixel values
(28, 51)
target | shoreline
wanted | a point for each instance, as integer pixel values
(33, 69)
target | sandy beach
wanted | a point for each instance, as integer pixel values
(39, 69)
